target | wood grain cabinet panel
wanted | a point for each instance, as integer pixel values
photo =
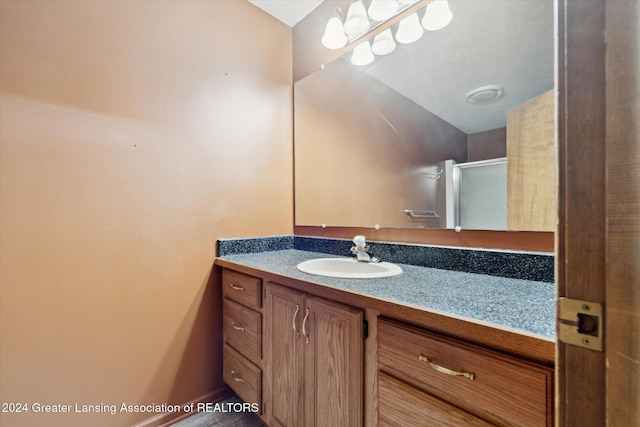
(242, 376)
(242, 329)
(333, 364)
(285, 394)
(314, 360)
(531, 165)
(504, 390)
(400, 404)
(242, 335)
(242, 288)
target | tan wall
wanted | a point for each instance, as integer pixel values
(132, 136)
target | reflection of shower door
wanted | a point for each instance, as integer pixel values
(479, 191)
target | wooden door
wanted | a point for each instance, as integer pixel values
(622, 275)
(284, 369)
(333, 364)
(531, 165)
(599, 218)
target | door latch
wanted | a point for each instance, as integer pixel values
(580, 323)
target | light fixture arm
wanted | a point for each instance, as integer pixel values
(337, 12)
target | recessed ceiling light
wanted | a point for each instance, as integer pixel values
(485, 94)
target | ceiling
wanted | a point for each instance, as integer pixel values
(489, 42)
(288, 11)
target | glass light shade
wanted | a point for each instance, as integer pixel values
(383, 43)
(334, 36)
(437, 16)
(357, 22)
(381, 10)
(362, 54)
(409, 29)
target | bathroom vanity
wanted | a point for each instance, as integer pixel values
(428, 347)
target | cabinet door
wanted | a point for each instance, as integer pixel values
(283, 314)
(531, 165)
(332, 335)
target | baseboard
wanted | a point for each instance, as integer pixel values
(169, 418)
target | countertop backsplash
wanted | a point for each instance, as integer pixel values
(535, 266)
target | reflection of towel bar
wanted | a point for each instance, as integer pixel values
(421, 214)
(433, 176)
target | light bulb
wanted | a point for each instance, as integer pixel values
(381, 10)
(437, 16)
(409, 29)
(362, 54)
(357, 22)
(334, 36)
(383, 43)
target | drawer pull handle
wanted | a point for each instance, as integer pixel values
(235, 378)
(293, 323)
(236, 287)
(236, 327)
(304, 325)
(446, 371)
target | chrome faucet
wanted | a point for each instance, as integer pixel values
(361, 250)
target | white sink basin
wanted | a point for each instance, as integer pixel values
(349, 268)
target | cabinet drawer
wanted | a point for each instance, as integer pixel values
(242, 288)
(400, 404)
(242, 376)
(242, 329)
(504, 390)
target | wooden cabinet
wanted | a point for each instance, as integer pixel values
(531, 165)
(242, 332)
(242, 288)
(447, 382)
(242, 329)
(400, 404)
(285, 350)
(301, 358)
(241, 375)
(314, 360)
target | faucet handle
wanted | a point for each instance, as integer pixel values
(360, 241)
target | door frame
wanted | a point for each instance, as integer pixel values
(597, 249)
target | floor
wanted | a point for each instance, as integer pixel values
(222, 419)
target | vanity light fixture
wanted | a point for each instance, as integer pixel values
(437, 15)
(357, 22)
(362, 54)
(334, 36)
(409, 29)
(383, 43)
(381, 10)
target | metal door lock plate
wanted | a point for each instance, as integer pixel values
(580, 323)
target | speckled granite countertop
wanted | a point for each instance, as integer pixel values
(520, 305)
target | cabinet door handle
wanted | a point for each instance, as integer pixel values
(236, 327)
(446, 371)
(236, 378)
(236, 287)
(293, 323)
(304, 325)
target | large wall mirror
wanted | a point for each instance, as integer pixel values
(396, 142)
